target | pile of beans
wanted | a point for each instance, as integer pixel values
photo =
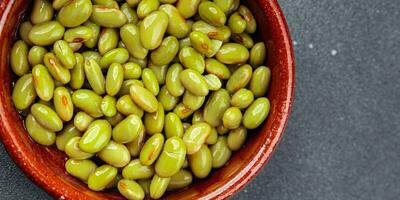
(141, 95)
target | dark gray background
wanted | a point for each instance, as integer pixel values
(343, 138)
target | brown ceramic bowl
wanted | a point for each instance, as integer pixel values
(45, 166)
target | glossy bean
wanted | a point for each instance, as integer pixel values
(114, 79)
(130, 189)
(101, 177)
(144, 98)
(182, 111)
(92, 41)
(173, 83)
(211, 13)
(258, 54)
(75, 13)
(158, 186)
(196, 136)
(215, 107)
(82, 121)
(194, 82)
(80, 169)
(35, 55)
(131, 70)
(159, 71)
(107, 16)
(236, 23)
(167, 51)
(109, 106)
(63, 103)
(130, 36)
(141, 62)
(248, 16)
(260, 81)
(24, 29)
(154, 122)
(91, 55)
(213, 137)
(74, 152)
(95, 76)
(42, 11)
(232, 53)
(213, 82)
(151, 149)
(173, 126)
(150, 81)
(88, 101)
(118, 55)
(217, 68)
(243, 39)
(145, 7)
(191, 59)
(128, 129)
(232, 118)
(224, 5)
(178, 26)
(219, 33)
(256, 113)
(242, 98)
(240, 78)
(115, 154)
(39, 133)
(19, 58)
(136, 145)
(152, 29)
(220, 152)
(201, 162)
(96, 136)
(56, 69)
(78, 34)
(77, 73)
(108, 40)
(126, 85)
(69, 132)
(43, 82)
(171, 158)
(180, 180)
(192, 101)
(64, 53)
(236, 138)
(47, 117)
(46, 33)
(166, 99)
(126, 106)
(188, 8)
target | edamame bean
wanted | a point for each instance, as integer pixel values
(152, 29)
(58, 4)
(215, 107)
(114, 79)
(220, 152)
(236, 138)
(63, 103)
(158, 186)
(46, 33)
(136, 145)
(19, 58)
(213, 66)
(133, 3)
(159, 71)
(192, 101)
(88, 101)
(126, 86)
(130, 189)
(172, 81)
(136, 170)
(178, 26)
(150, 81)
(173, 126)
(74, 152)
(42, 11)
(80, 169)
(182, 111)
(185, 42)
(130, 14)
(166, 99)
(75, 13)
(35, 55)
(211, 13)
(213, 137)
(256, 113)
(180, 180)
(118, 55)
(56, 69)
(236, 23)
(115, 154)
(77, 73)
(232, 118)
(128, 129)
(242, 98)
(248, 16)
(108, 40)
(201, 162)
(82, 121)
(109, 106)
(240, 78)
(188, 8)
(151, 149)
(224, 5)
(154, 122)
(92, 41)
(234, 6)
(126, 106)
(258, 54)
(107, 16)
(219, 33)
(243, 39)
(167, 51)
(79, 34)
(95, 76)
(64, 53)
(69, 132)
(39, 133)
(96, 136)
(108, 3)
(91, 55)
(232, 53)
(201, 43)
(213, 82)
(260, 81)
(196, 136)
(101, 177)
(144, 98)
(43, 83)
(191, 59)
(131, 70)
(24, 29)
(46, 117)
(130, 36)
(171, 158)
(194, 82)
(145, 7)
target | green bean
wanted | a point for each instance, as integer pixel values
(145, 7)
(114, 120)
(63, 103)
(219, 33)
(126, 86)
(88, 101)
(38, 133)
(167, 51)
(130, 36)
(74, 13)
(101, 177)
(115, 154)
(171, 158)
(118, 55)
(91, 55)
(80, 169)
(56, 69)
(232, 118)
(46, 33)
(224, 5)
(82, 121)
(46, 117)
(96, 136)
(128, 129)
(133, 3)
(213, 137)
(64, 53)
(215, 107)
(196, 136)
(220, 152)
(74, 152)
(191, 59)
(95, 76)
(130, 189)
(256, 113)
(78, 34)
(144, 98)
(242, 98)
(192, 101)
(240, 78)
(188, 8)
(19, 58)
(69, 132)
(126, 106)
(260, 81)
(43, 83)
(75, 46)
(173, 126)
(152, 29)
(258, 54)
(211, 13)
(248, 16)
(136, 145)
(213, 82)
(108, 40)
(217, 68)
(166, 99)
(77, 73)
(42, 11)
(114, 79)
(180, 180)
(233, 53)
(179, 28)
(132, 70)
(107, 16)
(141, 62)
(92, 41)
(151, 149)
(243, 39)
(236, 138)
(145, 184)
(58, 4)
(182, 111)
(159, 71)
(24, 29)
(201, 162)
(236, 23)
(150, 81)
(130, 14)
(194, 82)
(173, 83)
(109, 106)
(158, 186)
(35, 55)
(136, 170)
(154, 122)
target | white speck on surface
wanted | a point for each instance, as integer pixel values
(294, 43)
(245, 191)
(334, 52)
(311, 46)
(61, 198)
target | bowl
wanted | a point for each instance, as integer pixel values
(45, 166)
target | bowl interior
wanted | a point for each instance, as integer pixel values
(46, 165)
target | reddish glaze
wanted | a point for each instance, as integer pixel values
(45, 166)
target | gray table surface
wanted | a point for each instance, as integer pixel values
(343, 138)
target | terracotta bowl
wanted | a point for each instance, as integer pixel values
(45, 166)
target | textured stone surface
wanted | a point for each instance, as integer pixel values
(343, 138)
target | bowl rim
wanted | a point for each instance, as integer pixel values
(265, 154)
